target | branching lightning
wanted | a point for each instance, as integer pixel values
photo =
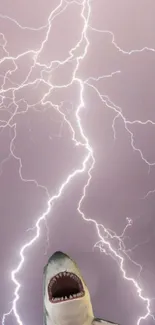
(106, 236)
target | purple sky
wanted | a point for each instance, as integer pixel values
(37, 151)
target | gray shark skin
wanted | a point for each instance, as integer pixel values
(66, 297)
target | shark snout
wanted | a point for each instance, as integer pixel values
(58, 255)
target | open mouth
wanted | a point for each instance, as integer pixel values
(65, 286)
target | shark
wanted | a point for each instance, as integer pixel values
(66, 298)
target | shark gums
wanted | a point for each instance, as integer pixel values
(66, 296)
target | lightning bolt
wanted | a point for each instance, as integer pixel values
(107, 238)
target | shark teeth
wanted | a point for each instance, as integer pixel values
(71, 275)
(71, 297)
(65, 274)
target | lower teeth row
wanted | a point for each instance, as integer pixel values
(70, 297)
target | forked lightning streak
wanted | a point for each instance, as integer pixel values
(88, 163)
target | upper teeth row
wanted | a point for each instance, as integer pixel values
(65, 274)
(70, 297)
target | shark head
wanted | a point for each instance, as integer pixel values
(66, 296)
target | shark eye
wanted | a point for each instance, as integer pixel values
(65, 286)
